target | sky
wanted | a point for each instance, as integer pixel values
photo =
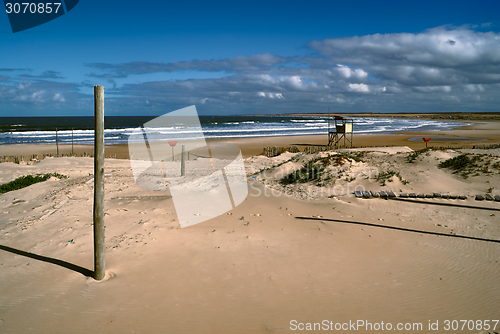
(255, 57)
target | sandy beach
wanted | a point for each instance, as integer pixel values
(482, 129)
(258, 268)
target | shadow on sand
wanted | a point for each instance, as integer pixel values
(399, 228)
(67, 265)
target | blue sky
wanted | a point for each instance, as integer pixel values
(255, 57)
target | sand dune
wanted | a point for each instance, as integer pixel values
(256, 268)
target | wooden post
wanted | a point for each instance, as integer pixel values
(352, 130)
(99, 247)
(328, 126)
(57, 145)
(72, 142)
(183, 169)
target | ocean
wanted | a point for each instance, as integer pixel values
(42, 130)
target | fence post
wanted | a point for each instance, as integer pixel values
(182, 161)
(99, 246)
(57, 145)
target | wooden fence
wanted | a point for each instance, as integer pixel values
(275, 151)
(316, 149)
(34, 157)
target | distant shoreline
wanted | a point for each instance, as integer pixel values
(444, 116)
(489, 130)
(455, 115)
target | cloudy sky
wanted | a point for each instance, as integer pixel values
(255, 57)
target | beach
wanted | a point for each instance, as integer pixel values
(259, 268)
(487, 130)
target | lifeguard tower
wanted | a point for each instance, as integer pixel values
(340, 131)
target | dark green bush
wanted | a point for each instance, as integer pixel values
(463, 165)
(459, 163)
(28, 180)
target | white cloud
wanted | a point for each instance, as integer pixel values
(474, 88)
(58, 97)
(271, 95)
(37, 96)
(344, 70)
(359, 88)
(429, 89)
(434, 57)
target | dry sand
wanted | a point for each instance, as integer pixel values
(256, 268)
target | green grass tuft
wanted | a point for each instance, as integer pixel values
(387, 176)
(414, 155)
(464, 165)
(308, 172)
(28, 180)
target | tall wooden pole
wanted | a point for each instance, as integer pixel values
(99, 247)
(72, 142)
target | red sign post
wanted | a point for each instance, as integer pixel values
(426, 140)
(172, 144)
